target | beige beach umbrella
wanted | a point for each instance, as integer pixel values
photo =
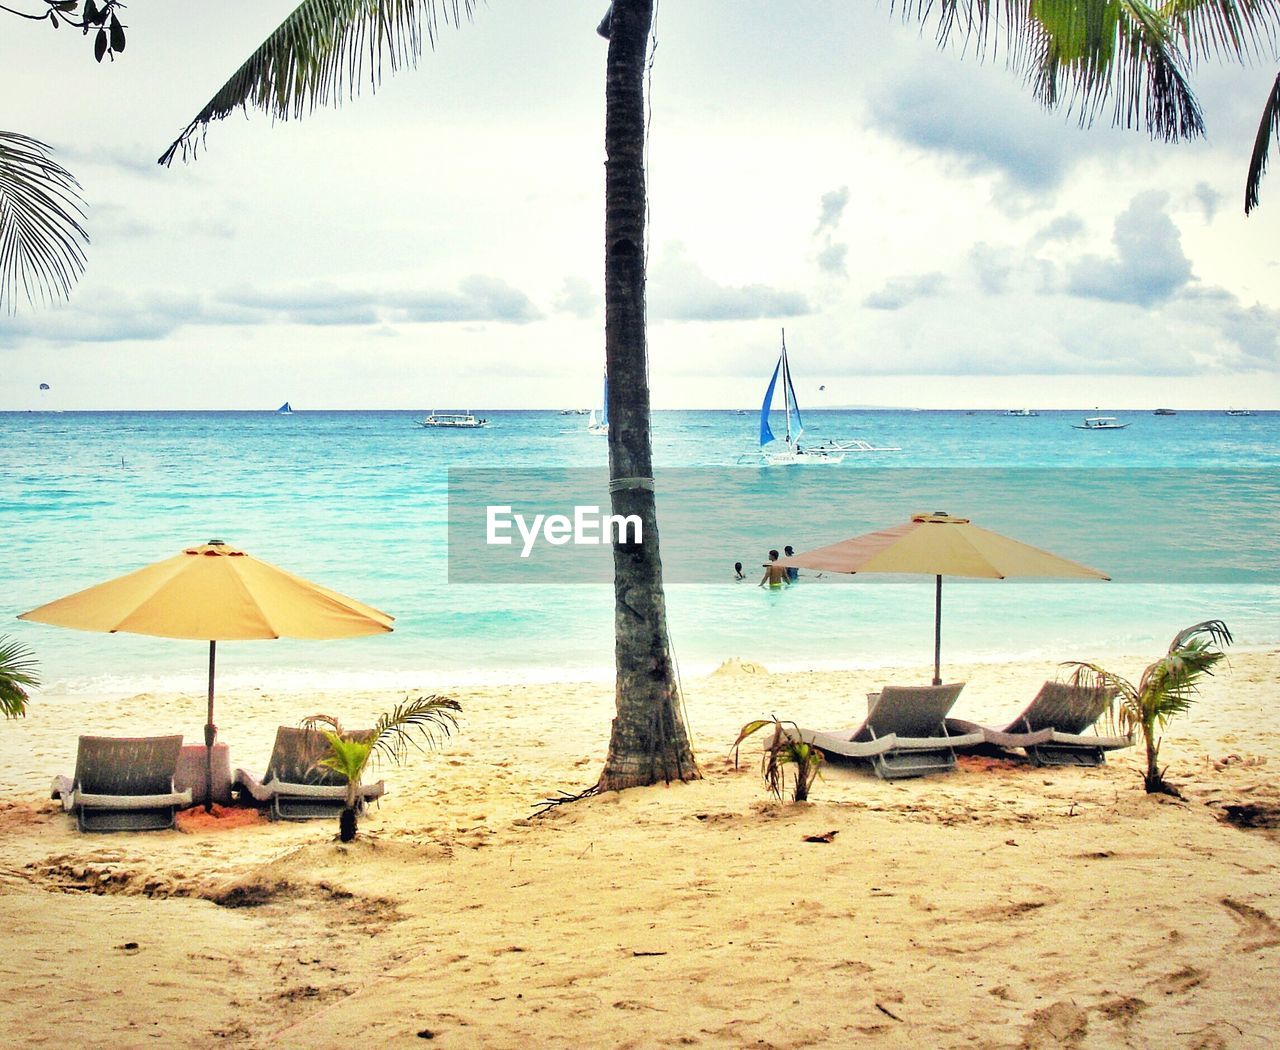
(217, 593)
(939, 545)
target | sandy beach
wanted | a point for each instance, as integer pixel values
(1001, 905)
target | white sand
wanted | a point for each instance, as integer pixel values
(1001, 906)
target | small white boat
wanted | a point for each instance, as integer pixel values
(787, 450)
(1100, 423)
(1021, 412)
(453, 421)
(1239, 411)
(600, 426)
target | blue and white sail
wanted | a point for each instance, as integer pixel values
(782, 370)
(285, 410)
(775, 451)
(600, 425)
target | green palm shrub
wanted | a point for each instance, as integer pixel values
(17, 675)
(1166, 689)
(784, 749)
(409, 725)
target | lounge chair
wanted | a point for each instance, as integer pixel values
(295, 786)
(1051, 730)
(904, 735)
(123, 784)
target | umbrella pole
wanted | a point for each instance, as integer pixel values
(937, 636)
(210, 735)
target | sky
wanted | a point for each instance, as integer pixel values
(925, 233)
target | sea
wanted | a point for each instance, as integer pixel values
(1181, 511)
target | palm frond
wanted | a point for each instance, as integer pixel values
(347, 757)
(1079, 54)
(746, 731)
(1092, 677)
(324, 51)
(1217, 633)
(41, 238)
(17, 670)
(322, 722)
(1171, 683)
(1224, 29)
(423, 720)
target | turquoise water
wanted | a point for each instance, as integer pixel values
(358, 501)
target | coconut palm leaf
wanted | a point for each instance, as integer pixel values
(322, 53)
(348, 757)
(1173, 681)
(1268, 126)
(41, 239)
(322, 722)
(1224, 29)
(413, 723)
(1080, 54)
(1124, 693)
(17, 670)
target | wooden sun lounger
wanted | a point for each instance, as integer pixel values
(1053, 730)
(123, 784)
(904, 734)
(295, 786)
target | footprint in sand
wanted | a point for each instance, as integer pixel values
(1057, 1025)
(1181, 980)
(1124, 1009)
(1257, 928)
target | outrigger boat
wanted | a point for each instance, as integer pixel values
(1100, 423)
(453, 421)
(778, 452)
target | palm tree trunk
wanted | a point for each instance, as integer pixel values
(1153, 782)
(649, 742)
(347, 818)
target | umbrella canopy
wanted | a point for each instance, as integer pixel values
(214, 592)
(940, 545)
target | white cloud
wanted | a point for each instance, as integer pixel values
(1149, 264)
(680, 291)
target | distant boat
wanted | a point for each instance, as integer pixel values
(1239, 412)
(600, 427)
(573, 411)
(452, 421)
(774, 452)
(285, 410)
(1021, 412)
(1164, 412)
(1100, 423)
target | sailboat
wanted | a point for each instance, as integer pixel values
(775, 451)
(600, 425)
(285, 410)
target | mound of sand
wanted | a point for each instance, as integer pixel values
(735, 667)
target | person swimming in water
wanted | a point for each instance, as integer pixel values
(793, 574)
(774, 575)
(738, 574)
